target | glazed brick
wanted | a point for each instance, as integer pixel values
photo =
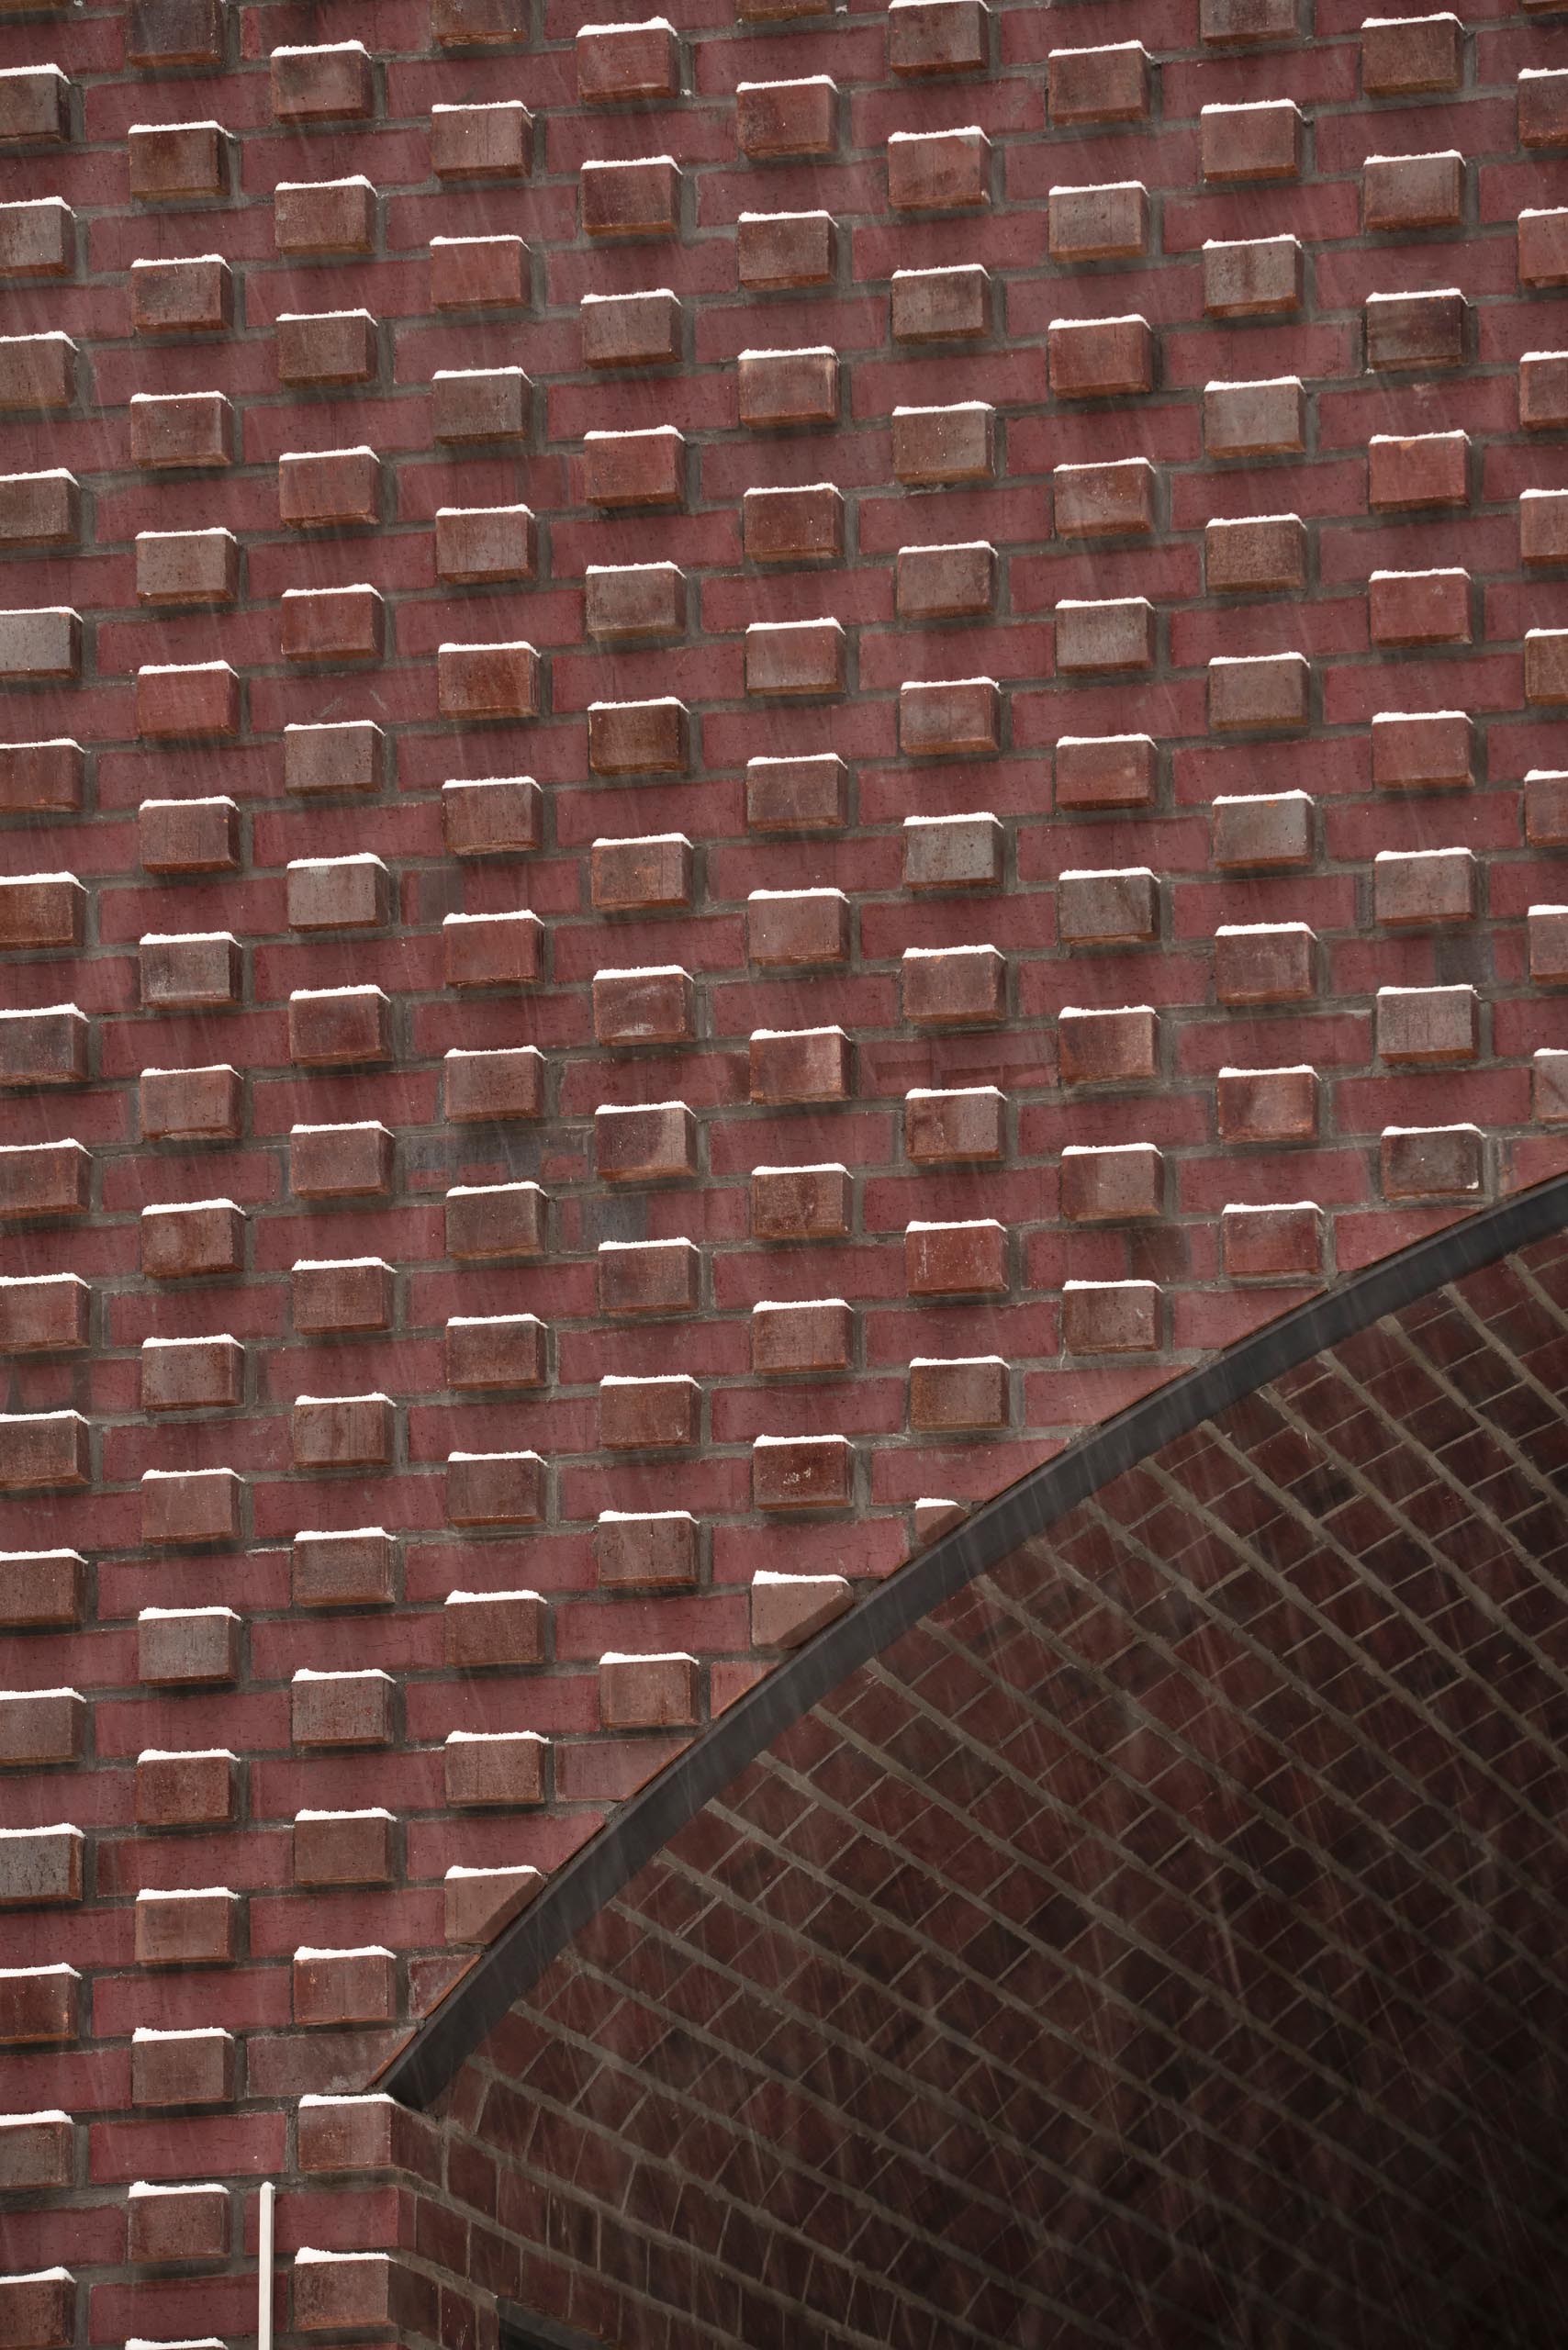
(176, 162)
(340, 1293)
(177, 1647)
(38, 239)
(784, 119)
(1106, 85)
(778, 249)
(638, 199)
(1428, 1025)
(49, 1046)
(1262, 419)
(653, 1692)
(938, 170)
(331, 624)
(1430, 469)
(188, 836)
(1423, 886)
(1265, 552)
(189, 970)
(1415, 330)
(791, 1065)
(1267, 1105)
(1432, 1162)
(204, 1236)
(953, 986)
(1116, 1047)
(1259, 140)
(347, 757)
(1265, 962)
(652, 872)
(324, 216)
(43, 1179)
(1273, 1243)
(634, 600)
(186, 568)
(1111, 1317)
(195, 1928)
(795, 657)
(1096, 359)
(38, 371)
(174, 2068)
(343, 1848)
(631, 331)
(35, 106)
(39, 1587)
(328, 1026)
(478, 273)
(325, 347)
(1259, 690)
(331, 84)
(642, 1414)
(948, 304)
(960, 717)
(341, 1708)
(341, 1431)
(492, 816)
(1401, 192)
(181, 429)
(495, 1488)
(1113, 1183)
(1112, 636)
(347, 1570)
(506, 1083)
(644, 1143)
(486, 1221)
(647, 1276)
(1543, 248)
(952, 852)
(39, 647)
(38, 509)
(43, 1312)
(779, 388)
(488, 681)
(337, 487)
(1109, 771)
(39, 776)
(496, 1351)
(39, 2005)
(625, 64)
(955, 1260)
(175, 32)
(647, 1004)
(656, 1551)
(196, 1789)
(474, 544)
(493, 1629)
(193, 297)
(799, 1203)
(489, 1768)
(1268, 833)
(1104, 223)
(340, 1162)
(811, 1334)
(486, 141)
(493, 950)
(41, 1728)
(39, 910)
(1402, 55)
(938, 37)
(1422, 751)
(1103, 500)
(38, 2308)
(1255, 279)
(803, 525)
(934, 447)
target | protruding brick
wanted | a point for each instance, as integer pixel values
(345, 1986)
(1265, 962)
(781, 388)
(37, 238)
(652, 1551)
(1109, 771)
(37, 2150)
(38, 1728)
(344, 1847)
(508, 1082)
(1094, 359)
(39, 777)
(789, 1065)
(186, 568)
(938, 37)
(492, 816)
(340, 1162)
(39, 2005)
(479, 544)
(40, 910)
(1419, 607)
(47, 1047)
(342, 1708)
(481, 142)
(488, 681)
(347, 756)
(191, 429)
(958, 1393)
(1118, 633)
(800, 1203)
(313, 217)
(497, 1350)
(1258, 140)
(1118, 1046)
(479, 24)
(330, 1027)
(1116, 906)
(341, 1431)
(1262, 419)
(961, 717)
(194, 2067)
(779, 250)
(1246, 24)
(1267, 1105)
(1429, 1025)
(1103, 500)
(325, 347)
(953, 986)
(647, 1141)
(934, 447)
(490, 1768)
(653, 1414)
(41, 1587)
(40, 509)
(481, 404)
(194, 1237)
(197, 1789)
(184, 1647)
(43, 1312)
(35, 106)
(1105, 223)
(189, 970)
(801, 1335)
(1432, 1162)
(662, 1692)
(1280, 1242)
(956, 1259)
(176, 162)
(1270, 689)
(490, 1220)
(650, 1004)
(479, 1902)
(641, 329)
(338, 892)
(496, 1488)
(795, 657)
(631, 200)
(952, 1127)
(1112, 1183)
(650, 873)
(193, 704)
(163, 33)
(478, 273)
(1111, 1317)
(948, 304)
(38, 371)
(1422, 752)
(38, 2308)
(778, 120)
(1270, 832)
(1104, 85)
(1263, 552)
(494, 1628)
(353, 1568)
(634, 468)
(40, 645)
(1424, 329)
(191, 297)
(938, 170)
(1256, 278)
(189, 1928)
(333, 83)
(791, 795)
(43, 1450)
(1423, 886)
(1546, 666)
(1402, 55)
(952, 852)
(331, 1293)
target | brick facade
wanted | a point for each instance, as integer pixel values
(745, 764)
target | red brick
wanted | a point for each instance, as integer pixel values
(797, 926)
(187, 704)
(41, 776)
(493, 950)
(483, 1768)
(1118, 635)
(1258, 140)
(327, 489)
(173, 2068)
(38, 1728)
(1401, 192)
(777, 119)
(40, 1450)
(199, 1236)
(181, 429)
(779, 250)
(649, 1692)
(199, 1789)
(193, 296)
(1103, 500)
(341, 1431)
(797, 794)
(1269, 689)
(345, 1986)
(1428, 1025)
(346, 756)
(343, 1848)
(1542, 107)
(948, 304)
(801, 525)
(190, 971)
(956, 1259)
(1547, 932)
(330, 84)
(479, 24)
(340, 1293)
(486, 1221)
(1265, 962)
(481, 404)
(1428, 470)
(795, 657)
(35, 106)
(1420, 752)
(1401, 55)
(952, 1127)
(1419, 607)
(634, 600)
(1267, 1105)
(935, 446)
(175, 32)
(1415, 330)
(1112, 771)
(799, 1203)
(634, 468)
(1423, 886)
(938, 170)
(650, 1004)
(1274, 1244)
(334, 2290)
(1548, 1087)
(493, 1628)
(805, 1334)
(490, 140)
(39, 910)
(39, 2003)
(1543, 526)
(622, 64)
(954, 986)
(1546, 666)
(1270, 833)
(1264, 552)
(1115, 907)
(43, 1312)
(1432, 1162)
(1237, 24)
(930, 37)
(331, 624)
(326, 347)
(652, 871)
(788, 387)
(40, 509)
(962, 1393)
(1094, 359)
(37, 238)
(38, 371)
(952, 852)
(36, 646)
(497, 1350)
(1106, 85)
(631, 200)
(1543, 248)
(1109, 223)
(488, 681)
(508, 1082)
(187, 567)
(1112, 1183)
(47, 1046)
(656, 1551)
(324, 216)
(37, 2310)
(41, 1587)
(650, 1142)
(787, 1609)
(183, 2223)
(1110, 1047)
(479, 1902)
(945, 582)
(1111, 1317)
(800, 1065)
(350, 1570)
(37, 2150)
(1262, 419)
(632, 330)
(1546, 808)
(479, 544)
(179, 1648)
(958, 718)
(637, 1414)
(44, 1179)
(340, 1162)
(1255, 279)
(492, 816)
(478, 273)
(176, 162)
(342, 1708)
(338, 892)
(328, 1026)
(195, 1928)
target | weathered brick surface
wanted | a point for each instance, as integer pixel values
(644, 670)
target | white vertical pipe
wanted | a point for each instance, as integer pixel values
(265, 2269)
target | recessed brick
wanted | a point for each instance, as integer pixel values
(198, 1237)
(631, 200)
(324, 216)
(1259, 140)
(776, 250)
(180, 1647)
(1111, 1317)
(1098, 359)
(1402, 55)
(1109, 223)
(1108, 1048)
(1428, 1025)
(1268, 832)
(486, 1768)
(342, 1708)
(966, 1392)
(1432, 1162)
(495, 1489)
(1261, 277)
(952, 1126)
(1415, 330)
(506, 1083)
(800, 1203)
(950, 305)
(652, 1551)
(1106, 85)
(325, 347)
(340, 1293)
(355, 1569)
(953, 986)
(1265, 962)
(340, 1162)
(958, 718)
(1262, 419)
(490, 1220)
(938, 37)
(779, 388)
(495, 1628)
(1112, 1183)
(483, 141)
(1282, 1242)
(1267, 1105)
(197, 1789)
(800, 1065)
(38, 239)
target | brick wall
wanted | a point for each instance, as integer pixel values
(742, 766)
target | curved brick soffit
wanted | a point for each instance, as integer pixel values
(521, 1952)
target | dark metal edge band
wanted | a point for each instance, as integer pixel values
(520, 1953)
